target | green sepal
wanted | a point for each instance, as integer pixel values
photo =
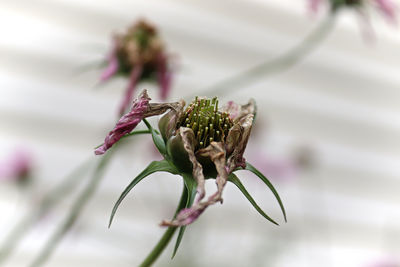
(191, 187)
(157, 139)
(155, 166)
(235, 180)
(252, 169)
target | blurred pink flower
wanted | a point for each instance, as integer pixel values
(17, 166)
(387, 7)
(314, 5)
(140, 55)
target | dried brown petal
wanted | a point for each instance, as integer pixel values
(217, 155)
(236, 111)
(189, 141)
(236, 158)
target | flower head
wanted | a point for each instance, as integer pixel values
(140, 55)
(207, 142)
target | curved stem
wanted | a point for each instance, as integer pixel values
(68, 184)
(166, 238)
(278, 64)
(76, 209)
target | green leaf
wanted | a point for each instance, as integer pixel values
(235, 180)
(157, 139)
(166, 238)
(155, 166)
(129, 134)
(191, 186)
(252, 169)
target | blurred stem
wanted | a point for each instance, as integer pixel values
(68, 184)
(166, 238)
(75, 211)
(279, 64)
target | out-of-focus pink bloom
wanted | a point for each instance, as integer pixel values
(314, 5)
(127, 123)
(387, 7)
(140, 55)
(17, 167)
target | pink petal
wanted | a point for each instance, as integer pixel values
(127, 123)
(314, 5)
(133, 80)
(388, 8)
(164, 76)
(112, 66)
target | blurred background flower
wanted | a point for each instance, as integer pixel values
(17, 166)
(139, 54)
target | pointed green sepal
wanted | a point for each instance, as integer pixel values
(235, 180)
(252, 169)
(191, 187)
(155, 166)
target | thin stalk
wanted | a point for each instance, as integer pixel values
(68, 184)
(281, 63)
(166, 238)
(75, 211)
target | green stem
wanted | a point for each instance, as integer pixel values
(278, 64)
(76, 209)
(166, 238)
(68, 184)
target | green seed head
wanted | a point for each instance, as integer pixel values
(208, 124)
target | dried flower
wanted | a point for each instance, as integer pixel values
(140, 55)
(208, 143)
(198, 142)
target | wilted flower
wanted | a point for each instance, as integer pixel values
(17, 167)
(198, 142)
(140, 55)
(387, 7)
(209, 143)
